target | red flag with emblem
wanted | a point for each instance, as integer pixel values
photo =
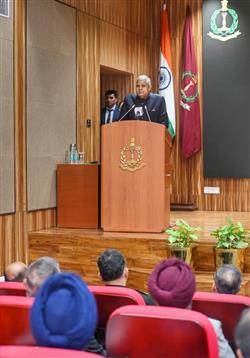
(190, 127)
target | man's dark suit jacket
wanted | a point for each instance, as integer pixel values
(154, 106)
(115, 115)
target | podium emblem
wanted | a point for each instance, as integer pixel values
(224, 33)
(131, 157)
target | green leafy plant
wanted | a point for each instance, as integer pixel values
(231, 236)
(183, 235)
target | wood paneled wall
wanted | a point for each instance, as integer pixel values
(123, 35)
(116, 34)
(187, 180)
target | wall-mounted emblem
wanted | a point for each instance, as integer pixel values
(224, 33)
(131, 157)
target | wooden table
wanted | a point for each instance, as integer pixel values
(78, 195)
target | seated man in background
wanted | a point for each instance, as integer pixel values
(114, 271)
(110, 113)
(15, 272)
(227, 279)
(172, 284)
(38, 272)
(144, 105)
(64, 313)
(242, 335)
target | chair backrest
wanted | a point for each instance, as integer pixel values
(42, 352)
(109, 298)
(14, 320)
(223, 307)
(12, 288)
(153, 331)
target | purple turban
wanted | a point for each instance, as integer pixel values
(172, 283)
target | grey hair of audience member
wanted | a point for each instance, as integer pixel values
(228, 279)
(144, 79)
(37, 273)
(242, 334)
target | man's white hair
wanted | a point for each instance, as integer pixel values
(144, 79)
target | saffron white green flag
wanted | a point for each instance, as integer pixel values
(166, 86)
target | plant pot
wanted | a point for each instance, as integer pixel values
(230, 256)
(184, 254)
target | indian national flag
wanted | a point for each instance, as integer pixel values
(166, 86)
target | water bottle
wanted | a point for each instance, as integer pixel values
(73, 154)
(81, 157)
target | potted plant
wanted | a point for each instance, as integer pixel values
(231, 244)
(181, 238)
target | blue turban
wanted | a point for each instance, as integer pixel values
(64, 313)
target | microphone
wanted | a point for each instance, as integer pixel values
(146, 109)
(130, 109)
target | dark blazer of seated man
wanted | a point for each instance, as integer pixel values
(144, 105)
(111, 112)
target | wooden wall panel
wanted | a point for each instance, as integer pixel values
(134, 16)
(114, 45)
(88, 85)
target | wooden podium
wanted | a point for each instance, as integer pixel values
(135, 174)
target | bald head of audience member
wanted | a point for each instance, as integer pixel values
(242, 335)
(15, 272)
(38, 272)
(227, 279)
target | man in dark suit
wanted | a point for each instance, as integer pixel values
(111, 112)
(144, 105)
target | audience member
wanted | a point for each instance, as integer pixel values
(227, 279)
(144, 105)
(64, 313)
(242, 335)
(110, 113)
(38, 272)
(113, 271)
(15, 272)
(172, 283)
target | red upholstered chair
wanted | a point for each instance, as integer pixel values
(109, 298)
(153, 331)
(225, 308)
(14, 320)
(12, 288)
(41, 352)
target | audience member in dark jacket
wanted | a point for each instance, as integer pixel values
(114, 271)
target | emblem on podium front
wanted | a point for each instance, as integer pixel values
(131, 157)
(225, 16)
